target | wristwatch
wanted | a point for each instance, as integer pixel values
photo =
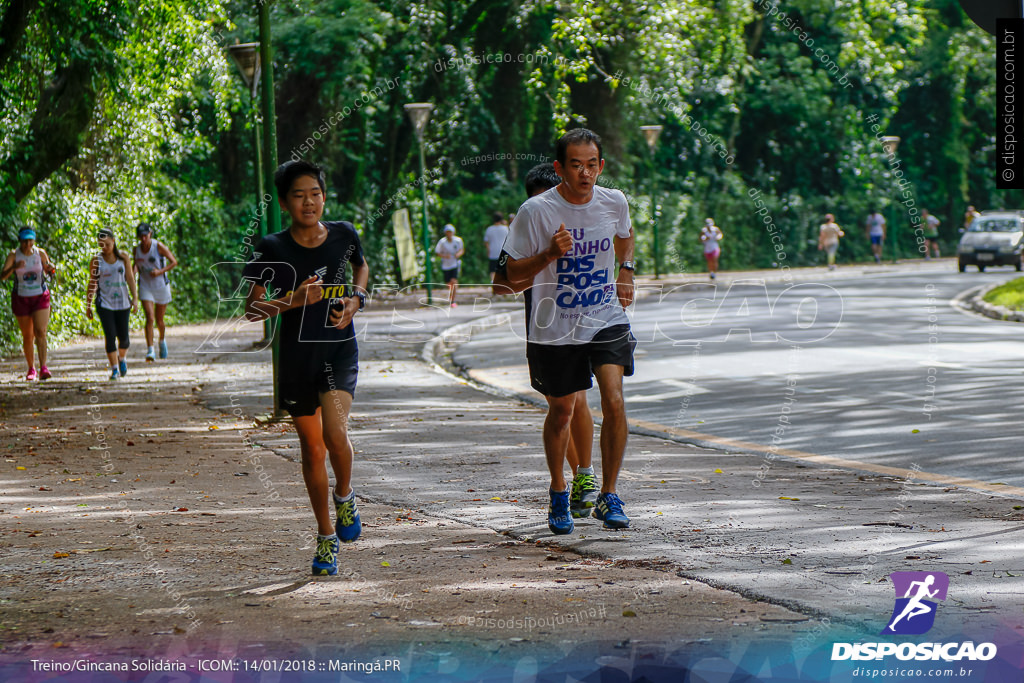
(628, 265)
(362, 300)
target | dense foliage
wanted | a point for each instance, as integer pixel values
(115, 112)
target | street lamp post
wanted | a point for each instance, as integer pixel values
(247, 58)
(270, 157)
(651, 134)
(890, 143)
(419, 114)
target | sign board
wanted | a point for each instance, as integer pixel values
(405, 244)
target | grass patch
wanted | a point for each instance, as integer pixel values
(1010, 294)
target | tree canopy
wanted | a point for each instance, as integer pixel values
(115, 112)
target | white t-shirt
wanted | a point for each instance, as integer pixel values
(448, 250)
(829, 233)
(875, 224)
(711, 235)
(574, 297)
(495, 236)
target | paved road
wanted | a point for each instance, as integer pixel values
(871, 365)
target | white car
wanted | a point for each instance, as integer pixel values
(995, 238)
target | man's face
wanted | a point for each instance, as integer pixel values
(304, 202)
(582, 167)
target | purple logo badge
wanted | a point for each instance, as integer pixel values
(916, 596)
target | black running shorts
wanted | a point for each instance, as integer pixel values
(300, 396)
(562, 370)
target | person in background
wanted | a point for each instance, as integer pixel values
(152, 260)
(711, 235)
(110, 285)
(579, 448)
(30, 300)
(969, 217)
(494, 239)
(931, 234)
(874, 226)
(450, 249)
(828, 239)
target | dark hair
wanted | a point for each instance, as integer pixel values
(498, 216)
(541, 177)
(576, 136)
(108, 232)
(287, 172)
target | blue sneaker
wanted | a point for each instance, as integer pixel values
(584, 494)
(113, 372)
(609, 511)
(325, 562)
(349, 526)
(123, 367)
(163, 349)
(559, 519)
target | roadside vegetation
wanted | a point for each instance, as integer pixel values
(119, 112)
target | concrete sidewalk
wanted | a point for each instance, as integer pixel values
(136, 520)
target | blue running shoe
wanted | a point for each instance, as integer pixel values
(123, 367)
(559, 519)
(609, 511)
(584, 494)
(325, 562)
(113, 372)
(163, 349)
(349, 526)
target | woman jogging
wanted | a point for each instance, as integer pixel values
(711, 235)
(151, 263)
(31, 298)
(109, 284)
(828, 239)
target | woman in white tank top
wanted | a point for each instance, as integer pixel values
(152, 260)
(30, 300)
(111, 284)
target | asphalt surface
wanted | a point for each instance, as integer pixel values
(867, 364)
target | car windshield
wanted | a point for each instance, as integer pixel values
(995, 225)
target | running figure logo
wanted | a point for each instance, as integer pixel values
(916, 593)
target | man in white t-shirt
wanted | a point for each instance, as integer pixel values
(450, 249)
(567, 241)
(494, 238)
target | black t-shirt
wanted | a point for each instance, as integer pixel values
(281, 264)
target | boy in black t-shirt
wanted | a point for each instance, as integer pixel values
(300, 274)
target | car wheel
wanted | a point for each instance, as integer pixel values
(1018, 264)
(981, 269)
(961, 266)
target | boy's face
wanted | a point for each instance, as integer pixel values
(304, 202)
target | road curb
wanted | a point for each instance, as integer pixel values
(974, 300)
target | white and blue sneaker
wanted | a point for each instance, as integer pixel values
(609, 511)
